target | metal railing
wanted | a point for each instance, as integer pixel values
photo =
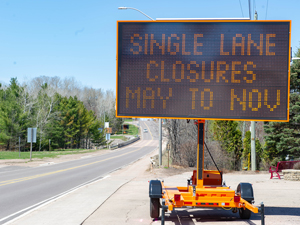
(119, 145)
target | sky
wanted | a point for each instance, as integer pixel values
(77, 38)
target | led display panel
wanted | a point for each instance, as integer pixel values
(232, 70)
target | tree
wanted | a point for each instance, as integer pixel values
(284, 138)
(73, 126)
(182, 137)
(13, 114)
(43, 109)
(173, 131)
(229, 136)
(96, 136)
(61, 110)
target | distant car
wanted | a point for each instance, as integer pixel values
(145, 131)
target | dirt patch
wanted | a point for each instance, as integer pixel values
(166, 172)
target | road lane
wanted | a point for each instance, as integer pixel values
(24, 188)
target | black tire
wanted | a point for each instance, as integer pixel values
(154, 207)
(244, 213)
(245, 190)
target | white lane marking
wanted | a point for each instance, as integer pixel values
(149, 131)
(88, 156)
(47, 164)
(49, 200)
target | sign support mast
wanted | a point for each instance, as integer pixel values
(253, 151)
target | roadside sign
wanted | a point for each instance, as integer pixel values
(232, 70)
(31, 135)
(108, 130)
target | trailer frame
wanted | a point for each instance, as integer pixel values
(205, 189)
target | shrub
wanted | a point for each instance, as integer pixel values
(188, 152)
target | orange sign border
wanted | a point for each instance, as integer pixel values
(206, 21)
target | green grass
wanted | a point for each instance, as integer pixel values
(42, 154)
(128, 120)
(118, 137)
(133, 130)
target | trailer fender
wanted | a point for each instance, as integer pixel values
(155, 189)
(246, 191)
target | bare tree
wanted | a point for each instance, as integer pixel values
(173, 132)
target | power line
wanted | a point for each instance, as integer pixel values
(267, 9)
(241, 8)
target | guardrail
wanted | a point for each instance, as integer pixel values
(124, 143)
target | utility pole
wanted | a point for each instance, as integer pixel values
(253, 151)
(160, 140)
(249, 2)
(243, 137)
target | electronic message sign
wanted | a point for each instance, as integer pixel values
(203, 69)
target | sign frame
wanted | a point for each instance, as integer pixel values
(203, 21)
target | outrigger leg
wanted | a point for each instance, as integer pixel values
(163, 211)
(262, 213)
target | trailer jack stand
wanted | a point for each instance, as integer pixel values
(163, 211)
(262, 213)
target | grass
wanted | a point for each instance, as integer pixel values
(42, 154)
(164, 160)
(133, 130)
(119, 137)
(128, 120)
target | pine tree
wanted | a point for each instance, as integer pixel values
(284, 138)
(13, 116)
(229, 136)
(53, 129)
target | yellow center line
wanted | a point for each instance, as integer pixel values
(149, 131)
(2, 183)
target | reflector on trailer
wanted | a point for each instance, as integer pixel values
(237, 198)
(176, 198)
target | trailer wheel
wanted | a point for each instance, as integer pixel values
(245, 190)
(244, 213)
(154, 207)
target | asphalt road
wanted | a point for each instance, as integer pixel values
(23, 189)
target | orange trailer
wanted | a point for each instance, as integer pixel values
(205, 189)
